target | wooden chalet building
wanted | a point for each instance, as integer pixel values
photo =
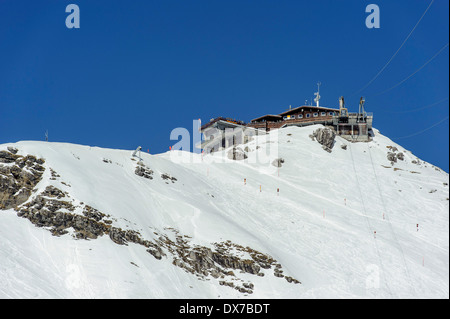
(299, 116)
(354, 127)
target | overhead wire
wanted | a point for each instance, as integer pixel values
(421, 131)
(369, 226)
(388, 220)
(410, 76)
(396, 52)
(416, 109)
(417, 133)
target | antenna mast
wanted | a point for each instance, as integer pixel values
(317, 94)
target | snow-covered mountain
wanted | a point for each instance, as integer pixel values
(366, 220)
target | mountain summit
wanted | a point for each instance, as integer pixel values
(291, 214)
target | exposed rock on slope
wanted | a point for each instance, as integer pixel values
(325, 137)
(58, 212)
(167, 177)
(314, 228)
(394, 155)
(278, 162)
(237, 154)
(18, 176)
(143, 171)
(59, 216)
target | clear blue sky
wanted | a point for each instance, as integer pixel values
(137, 69)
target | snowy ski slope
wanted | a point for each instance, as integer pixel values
(343, 223)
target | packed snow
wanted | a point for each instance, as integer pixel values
(346, 224)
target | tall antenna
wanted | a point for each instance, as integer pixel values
(317, 94)
(46, 135)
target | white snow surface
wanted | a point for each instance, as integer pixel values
(320, 227)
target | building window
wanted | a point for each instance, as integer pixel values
(323, 113)
(300, 116)
(308, 115)
(315, 114)
(331, 113)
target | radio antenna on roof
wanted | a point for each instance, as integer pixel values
(317, 94)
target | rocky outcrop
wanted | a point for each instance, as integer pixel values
(117, 235)
(220, 262)
(236, 154)
(19, 175)
(51, 191)
(143, 171)
(12, 150)
(8, 157)
(325, 137)
(56, 211)
(167, 178)
(278, 162)
(93, 213)
(393, 155)
(58, 216)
